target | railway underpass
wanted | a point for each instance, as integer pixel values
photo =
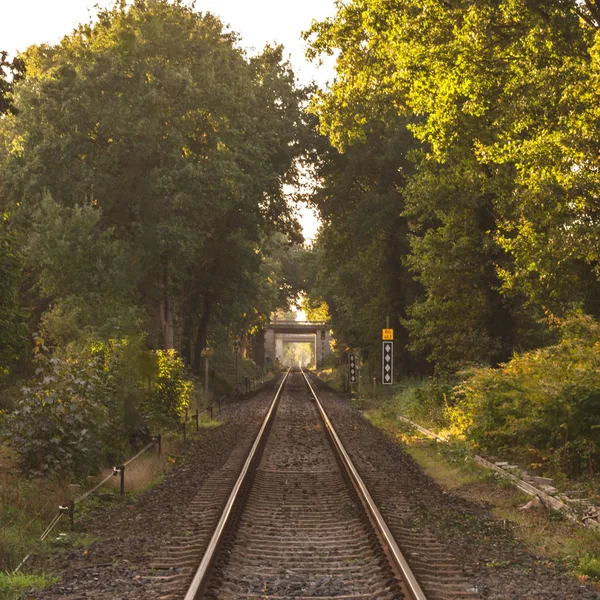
(281, 333)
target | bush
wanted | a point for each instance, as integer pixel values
(425, 401)
(542, 406)
(171, 391)
(81, 409)
(57, 425)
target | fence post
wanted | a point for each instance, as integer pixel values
(196, 417)
(122, 470)
(246, 384)
(159, 443)
(184, 432)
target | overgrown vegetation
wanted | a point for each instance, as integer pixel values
(458, 191)
(16, 586)
(541, 407)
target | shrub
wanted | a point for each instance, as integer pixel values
(425, 401)
(172, 389)
(80, 409)
(541, 406)
(55, 427)
(88, 405)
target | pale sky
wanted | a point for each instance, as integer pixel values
(26, 22)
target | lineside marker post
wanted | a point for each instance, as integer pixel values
(121, 471)
(387, 356)
(159, 443)
(196, 417)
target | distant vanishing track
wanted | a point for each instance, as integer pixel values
(299, 529)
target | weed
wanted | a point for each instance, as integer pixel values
(72, 540)
(14, 586)
(589, 566)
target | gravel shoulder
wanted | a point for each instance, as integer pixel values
(484, 546)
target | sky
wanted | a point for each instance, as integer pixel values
(26, 22)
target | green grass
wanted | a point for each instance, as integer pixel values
(589, 566)
(205, 422)
(71, 539)
(15, 586)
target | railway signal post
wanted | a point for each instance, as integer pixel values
(387, 357)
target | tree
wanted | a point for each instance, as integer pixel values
(10, 73)
(502, 203)
(12, 321)
(154, 116)
(13, 341)
(359, 269)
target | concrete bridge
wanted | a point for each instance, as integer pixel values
(279, 333)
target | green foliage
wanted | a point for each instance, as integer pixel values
(17, 586)
(64, 415)
(315, 309)
(224, 365)
(298, 353)
(357, 266)
(96, 290)
(10, 72)
(589, 566)
(542, 406)
(495, 182)
(172, 389)
(13, 341)
(426, 402)
(170, 183)
(90, 404)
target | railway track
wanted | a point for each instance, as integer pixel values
(299, 522)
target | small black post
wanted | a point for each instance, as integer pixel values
(159, 443)
(196, 417)
(184, 432)
(122, 471)
(211, 412)
(219, 402)
(72, 513)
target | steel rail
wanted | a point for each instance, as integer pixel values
(373, 512)
(200, 580)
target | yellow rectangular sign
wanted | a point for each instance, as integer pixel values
(387, 334)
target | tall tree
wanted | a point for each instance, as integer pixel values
(155, 116)
(503, 201)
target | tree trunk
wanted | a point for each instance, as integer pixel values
(166, 323)
(200, 343)
(186, 343)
